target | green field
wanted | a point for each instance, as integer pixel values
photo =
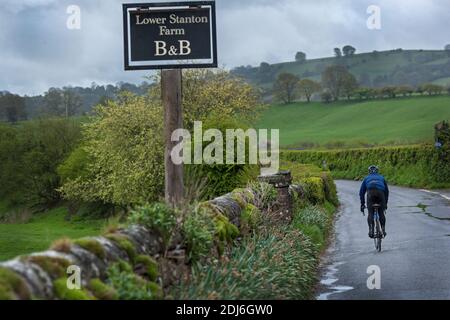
(349, 124)
(39, 232)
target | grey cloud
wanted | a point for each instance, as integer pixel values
(38, 51)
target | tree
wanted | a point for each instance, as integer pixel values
(264, 67)
(447, 47)
(53, 101)
(349, 85)
(71, 102)
(123, 149)
(335, 79)
(420, 90)
(308, 87)
(285, 87)
(61, 102)
(12, 107)
(405, 90)
(326, 96)
(265, 72)
(300, 57)
(389, 91)
(337, 52)
(364, 93)
(348, 50)
(432, 89)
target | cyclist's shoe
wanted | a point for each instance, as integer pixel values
(384, 232)
(371, 235)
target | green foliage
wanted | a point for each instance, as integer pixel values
(315, 222)
(12, 286)
(124, 145)
(243, 196)
(312, 215)
(216, 94)
(225, 230)
(62, 292)
(124, 141)
(75, 166)
(278, 265)
(412, 166)
(315, 190)
(223, 178)
(92, 246)
(199, 230)
(285, 88)
(29, 156)
(250, 218)
(265, 195)
(130, 286)
(157, 216)
(314, 233)
(102, 291)
(441, 158)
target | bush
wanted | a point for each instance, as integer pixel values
(130, 286)
(199, 230)
(413, 166)
(124, 145)
(314, 190)
(158, 217)
(224, 178)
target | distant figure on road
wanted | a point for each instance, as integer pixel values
(377, 193)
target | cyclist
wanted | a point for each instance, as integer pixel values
(377, 193)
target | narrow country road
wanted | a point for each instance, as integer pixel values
(415, 258)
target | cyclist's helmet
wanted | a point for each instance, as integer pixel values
(373, 169)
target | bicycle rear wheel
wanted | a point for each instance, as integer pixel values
(378, 236)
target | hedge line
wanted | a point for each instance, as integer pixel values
(413, 166)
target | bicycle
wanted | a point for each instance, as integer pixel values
(378, 236)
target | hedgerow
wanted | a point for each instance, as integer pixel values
(414, 166)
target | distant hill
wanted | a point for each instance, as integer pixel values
(355, 123)
(374, 69)
(89, 97)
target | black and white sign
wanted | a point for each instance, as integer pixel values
(170, 35)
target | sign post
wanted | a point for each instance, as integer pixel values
(170, 36)
(173, 119)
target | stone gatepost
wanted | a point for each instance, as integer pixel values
(281, 181)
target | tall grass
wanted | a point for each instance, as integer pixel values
(279, 264)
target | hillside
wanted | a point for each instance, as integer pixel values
(375, 69)
(381, 122)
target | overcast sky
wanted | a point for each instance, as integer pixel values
(38, 51)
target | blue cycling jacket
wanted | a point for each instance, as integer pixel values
(373, 181)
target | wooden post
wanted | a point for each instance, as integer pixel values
(173, 119)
